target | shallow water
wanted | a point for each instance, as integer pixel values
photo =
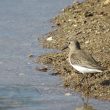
(21, 86)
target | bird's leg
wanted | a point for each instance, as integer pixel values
(80, 82)
(87, 80)
(88, 88)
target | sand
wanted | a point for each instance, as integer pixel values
(89, 23)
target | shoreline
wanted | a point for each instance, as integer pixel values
(89, 23)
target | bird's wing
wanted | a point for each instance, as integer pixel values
(84, 59)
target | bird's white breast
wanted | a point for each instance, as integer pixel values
(82, 69)
(85, 70)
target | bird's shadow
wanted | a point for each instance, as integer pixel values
(105, 83)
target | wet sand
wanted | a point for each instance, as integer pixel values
(89, 23)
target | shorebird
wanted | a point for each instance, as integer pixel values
(82, 61)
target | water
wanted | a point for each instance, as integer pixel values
(21, 86)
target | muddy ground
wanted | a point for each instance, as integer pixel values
(89, 23)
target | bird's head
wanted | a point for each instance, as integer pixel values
(74, 45)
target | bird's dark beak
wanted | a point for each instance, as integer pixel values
(64, 47)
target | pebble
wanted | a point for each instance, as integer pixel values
(42, 69)
(106, 2)
(75, 25)
(49, 39)
(70, 20)
(87, 42)
(67, 94)
(31, 56)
